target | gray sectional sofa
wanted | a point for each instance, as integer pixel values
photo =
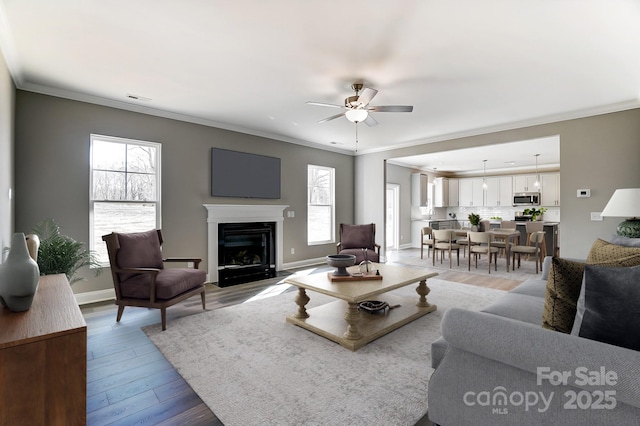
(500, 367)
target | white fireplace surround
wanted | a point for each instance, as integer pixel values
(241, 213)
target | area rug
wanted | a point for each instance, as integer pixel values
(252, 368)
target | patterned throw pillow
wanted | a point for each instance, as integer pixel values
(563, 289)
(565, 281)
(604, 252)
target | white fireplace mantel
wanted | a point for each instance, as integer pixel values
(239, 213)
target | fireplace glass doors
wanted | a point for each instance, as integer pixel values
(246, 252)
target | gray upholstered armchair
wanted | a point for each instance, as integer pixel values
(359, 240)
(139, 276)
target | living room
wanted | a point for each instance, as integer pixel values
(44, 165)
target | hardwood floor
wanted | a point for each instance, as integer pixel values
(129, 381)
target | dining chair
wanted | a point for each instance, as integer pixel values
(462, 241)
(501, 242)
(426, 239)
(480, 243)
(443, 240)
(534, 247)
(530, 228)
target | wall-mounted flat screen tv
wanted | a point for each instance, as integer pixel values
(244, 175)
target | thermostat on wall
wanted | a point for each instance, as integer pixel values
(584, 193)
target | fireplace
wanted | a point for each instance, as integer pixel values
(246, 252)
(241, 214)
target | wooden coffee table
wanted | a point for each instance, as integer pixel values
(342, 322)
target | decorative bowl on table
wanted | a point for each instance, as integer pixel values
(341, 262)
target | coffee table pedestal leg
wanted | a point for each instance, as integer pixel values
(301, 300)
(352, 317)
(423, 290)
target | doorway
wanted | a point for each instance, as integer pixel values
(393, 217)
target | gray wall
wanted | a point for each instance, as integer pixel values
(52, 174)
(600, 152)
(7, 97)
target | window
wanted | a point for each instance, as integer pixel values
(125, 189)
(320, 204)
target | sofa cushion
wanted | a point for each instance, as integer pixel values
(139, 250)
(605, 252)
(537, 288)
(562, 292)
(608, 306)
(520, 307)
(169, 283)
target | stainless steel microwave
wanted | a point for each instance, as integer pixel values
(526, 199)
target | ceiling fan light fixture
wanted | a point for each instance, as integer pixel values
(356, 115)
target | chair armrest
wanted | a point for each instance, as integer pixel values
(529, 347)
(153, 271)
(195, 260)
(338, 246)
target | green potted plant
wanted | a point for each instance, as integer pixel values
(61, 254)
(535, 212)
(474, 219)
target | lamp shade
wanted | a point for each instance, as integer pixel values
(356, 115)
(623, 203)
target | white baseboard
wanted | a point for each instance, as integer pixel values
(95, 296)
(305, 263)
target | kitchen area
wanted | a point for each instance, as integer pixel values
(445, 202)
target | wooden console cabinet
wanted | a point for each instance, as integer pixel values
(43, 359)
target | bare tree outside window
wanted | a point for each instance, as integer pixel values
(320, 204)
(125, 188)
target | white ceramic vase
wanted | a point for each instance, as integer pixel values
(19, 276)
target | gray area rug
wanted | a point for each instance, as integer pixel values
(252, 368)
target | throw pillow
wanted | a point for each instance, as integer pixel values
(605, 252)
(608, 306)
(563, 288)
(625, 241)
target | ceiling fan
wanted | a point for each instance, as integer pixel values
(357, 107)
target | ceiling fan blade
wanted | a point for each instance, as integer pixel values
(325, 104)
(391, 108)
(333, 117)
(370, 121)
(367, 94)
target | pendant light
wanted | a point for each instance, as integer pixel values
(484, 175)
(537, 182)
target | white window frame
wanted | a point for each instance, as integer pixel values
(112, 139)
(332, 204)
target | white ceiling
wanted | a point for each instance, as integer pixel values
(467, 66)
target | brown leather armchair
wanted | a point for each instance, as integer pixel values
(358, 240)
(139, 276)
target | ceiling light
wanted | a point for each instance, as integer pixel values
(537, 182)
(356, 115)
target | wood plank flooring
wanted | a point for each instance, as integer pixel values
(129, 382)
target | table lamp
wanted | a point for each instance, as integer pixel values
(625, 203)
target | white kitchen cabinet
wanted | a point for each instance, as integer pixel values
(471, 193)
(419, 194)
(524, 183)
(550, 189)
(453, 193)
(441, 192)
(505, 198)
(499, 192)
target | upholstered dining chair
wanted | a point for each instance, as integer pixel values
(426, 239)
(480, 243)
(502, 243)
(443, 241)
(535, 247)
(140, 278)
(359, 240)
